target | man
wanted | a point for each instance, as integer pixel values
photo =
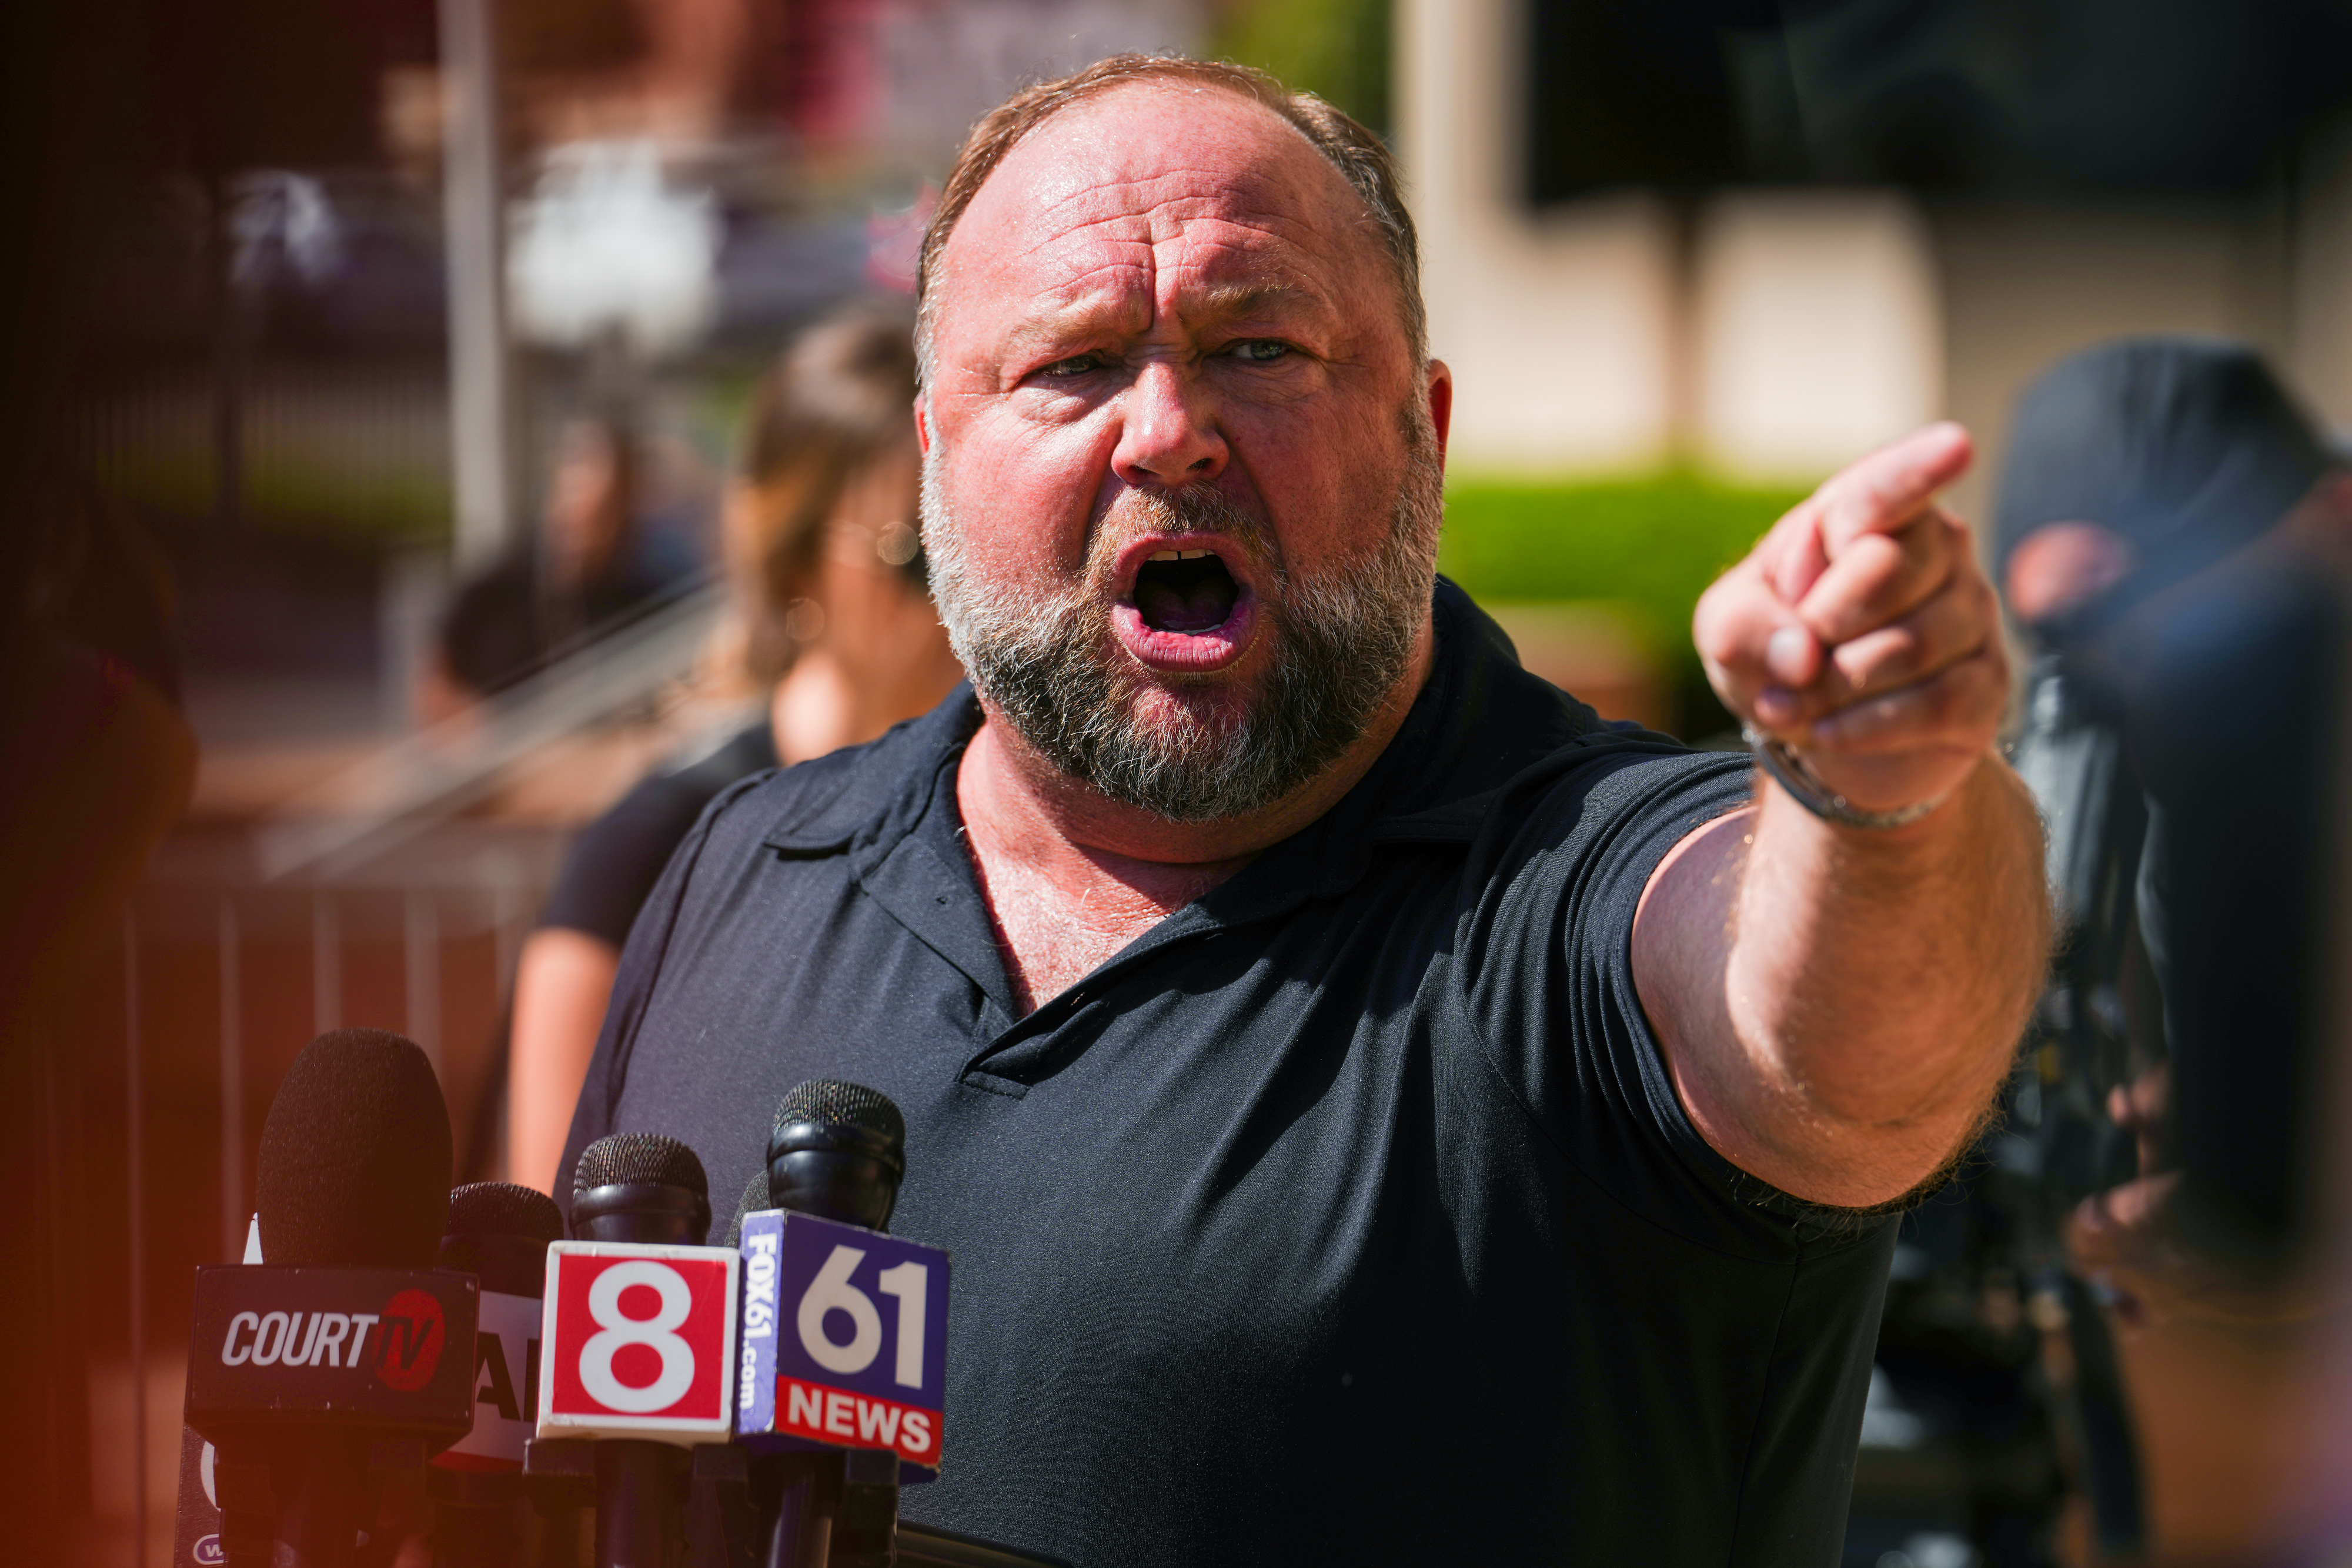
(2173, 536)
(1378, 1111)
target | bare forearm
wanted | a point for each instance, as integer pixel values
(561, 986)
(1877, 980)
(1837, 1003)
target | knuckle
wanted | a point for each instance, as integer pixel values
(1904, 657)
(1883, 660)
(1882, 563)
(1928, 552)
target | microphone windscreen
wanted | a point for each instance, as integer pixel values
(355, 1156)
(639, 1159)
(503, 1208)
(837, 1107)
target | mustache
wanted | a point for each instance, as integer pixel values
(1138, 513)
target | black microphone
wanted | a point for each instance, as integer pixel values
(347, 1353)
(498, 1232)
(640, 1190)
(640, 1186)
(838, 1151)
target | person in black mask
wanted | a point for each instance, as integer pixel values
(2172, 538)
(2169, 540)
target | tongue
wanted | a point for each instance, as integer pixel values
(1199, 608)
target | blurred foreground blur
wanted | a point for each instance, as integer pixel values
(375, 376)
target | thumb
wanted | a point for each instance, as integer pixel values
(1793, 656)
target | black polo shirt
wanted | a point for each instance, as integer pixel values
(1348, 1215)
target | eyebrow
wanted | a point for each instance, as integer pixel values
(1209, 303)
(1223, 301)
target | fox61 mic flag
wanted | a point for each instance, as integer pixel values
(845, 1337)
(637, 1340)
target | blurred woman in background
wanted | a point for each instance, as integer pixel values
(831, 618)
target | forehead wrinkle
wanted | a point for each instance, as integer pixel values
(1138, 279)
(1087, 191)
(1240, 199)
(1248, 239)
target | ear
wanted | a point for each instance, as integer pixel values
(923, 422)
(1441, 404)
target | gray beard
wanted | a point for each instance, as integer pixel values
(1049, 664)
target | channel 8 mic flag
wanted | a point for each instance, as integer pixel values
(844, 1339)
(637, 1340)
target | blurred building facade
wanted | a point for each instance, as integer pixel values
(1766, 267)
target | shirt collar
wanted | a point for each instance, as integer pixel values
(1478, 719)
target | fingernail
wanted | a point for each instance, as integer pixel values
(1787, 653)
(1774, 706)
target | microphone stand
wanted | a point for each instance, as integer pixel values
(837, 1510)
(639, 1484)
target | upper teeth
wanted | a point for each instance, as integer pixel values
(1180, 554)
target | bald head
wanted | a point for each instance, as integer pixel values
(1154, 206)
(1206, 94)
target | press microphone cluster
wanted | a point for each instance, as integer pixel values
(678, 1416)
(755, 1405)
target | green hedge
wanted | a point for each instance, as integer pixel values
(1648, 545)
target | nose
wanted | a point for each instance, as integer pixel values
(1168, 436)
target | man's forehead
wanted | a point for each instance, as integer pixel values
(1144, 166)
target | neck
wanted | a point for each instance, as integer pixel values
(1070, 877)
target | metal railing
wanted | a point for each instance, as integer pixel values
(369, 810)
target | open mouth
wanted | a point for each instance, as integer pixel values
(1190, 612)
(1187, 591)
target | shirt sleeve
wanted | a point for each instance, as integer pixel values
(616, 861)
(1550, 983)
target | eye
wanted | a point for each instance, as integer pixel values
(1259, 351)
(1075, 365)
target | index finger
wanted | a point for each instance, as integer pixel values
(1873, 494)
(1892, 484)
